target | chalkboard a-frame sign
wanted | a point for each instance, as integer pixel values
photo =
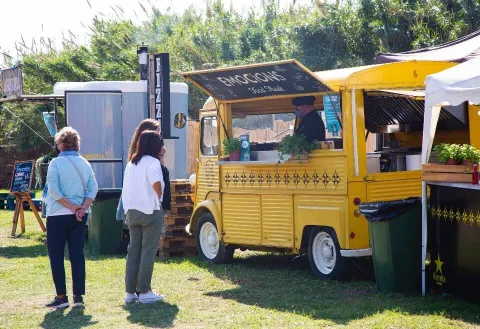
(22, 177)
(257, 81)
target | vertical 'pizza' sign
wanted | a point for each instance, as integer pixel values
(162, 92)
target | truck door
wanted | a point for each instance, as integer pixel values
(97, 116)
(208, 172)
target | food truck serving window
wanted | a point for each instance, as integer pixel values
(264, 128)
(266, 131)
(209, 144)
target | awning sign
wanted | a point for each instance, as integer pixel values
(255, 81)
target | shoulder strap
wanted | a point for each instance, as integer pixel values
(78, 172)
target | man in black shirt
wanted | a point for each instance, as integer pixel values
(309, 122)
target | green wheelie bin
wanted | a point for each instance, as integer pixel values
(105, 233)
(395, 229)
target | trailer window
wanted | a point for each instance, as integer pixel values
(209, 141)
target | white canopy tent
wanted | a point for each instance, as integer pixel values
(453, 86)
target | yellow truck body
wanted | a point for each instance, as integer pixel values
(309, 205)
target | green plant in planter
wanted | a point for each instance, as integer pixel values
(39, 173)
(231, 145)
(448, 152)
(296, 144)
(469, 153)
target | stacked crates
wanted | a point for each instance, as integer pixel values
(175, 242)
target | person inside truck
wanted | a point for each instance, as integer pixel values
(309, 122)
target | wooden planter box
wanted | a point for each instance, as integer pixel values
(447, 173)
(298, 158)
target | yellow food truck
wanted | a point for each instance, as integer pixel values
(373, 117)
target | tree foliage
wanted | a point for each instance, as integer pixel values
(323, 35)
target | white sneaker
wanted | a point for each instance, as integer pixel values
(130, 298)
(150, 297)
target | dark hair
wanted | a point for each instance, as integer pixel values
(149, 143)
(147, 124)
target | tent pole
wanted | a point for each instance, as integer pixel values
(424, 233)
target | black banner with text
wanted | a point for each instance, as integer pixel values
(247, 82)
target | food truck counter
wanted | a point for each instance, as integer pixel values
(273, 157)
(469, 186)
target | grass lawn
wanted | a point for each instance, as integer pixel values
(256, 291)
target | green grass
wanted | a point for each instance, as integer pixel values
(256, 291)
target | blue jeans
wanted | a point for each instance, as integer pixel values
(62, 229)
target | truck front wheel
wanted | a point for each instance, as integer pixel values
(324, 254)
(209, 246)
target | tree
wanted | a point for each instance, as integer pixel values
(323, 35)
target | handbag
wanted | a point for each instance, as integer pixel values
(120, 216)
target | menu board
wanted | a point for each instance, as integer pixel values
(256, 81)
(22, 176)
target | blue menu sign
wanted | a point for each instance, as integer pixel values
(331, 105)
(22, 177)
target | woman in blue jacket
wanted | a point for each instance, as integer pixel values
(71, 190)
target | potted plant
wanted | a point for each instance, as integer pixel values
(449, 154)
(231, 148)
(41, 168)
(297, 146)
(469, 155)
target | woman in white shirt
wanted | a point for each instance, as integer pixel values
(142, 202)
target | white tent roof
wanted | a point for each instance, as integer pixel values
(455, 85)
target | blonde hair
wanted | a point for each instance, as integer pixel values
(70, 139)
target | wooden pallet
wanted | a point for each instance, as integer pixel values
(183, 198)
(171, 220)
(180, 187)
(177, 253)
(181, 209)
(174, 231)
(177, 243)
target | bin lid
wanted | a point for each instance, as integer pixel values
(104, 194)
(382, 211)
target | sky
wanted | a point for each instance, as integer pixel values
(33, 19)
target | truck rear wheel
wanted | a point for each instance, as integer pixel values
(324, 254)
(209, 246)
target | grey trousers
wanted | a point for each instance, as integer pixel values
(145, 231)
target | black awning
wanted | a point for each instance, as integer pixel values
(286, 78)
